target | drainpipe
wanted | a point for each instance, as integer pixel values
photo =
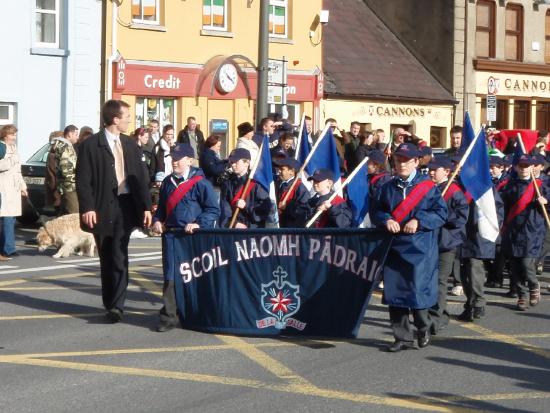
(114, 51)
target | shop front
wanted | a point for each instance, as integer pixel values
(219, 98)
(523, 100)
(430, 122)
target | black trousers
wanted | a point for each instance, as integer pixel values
(439, 313)
(113, 254)
(401, 325)
(495, 268)
(169, 312)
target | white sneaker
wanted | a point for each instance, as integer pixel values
(457, 291)
(137, 234)
(381, 285)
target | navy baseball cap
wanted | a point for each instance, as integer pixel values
(440, 162)
(377, 157)
(425, 150)
(237, 154)
(182, 150)
(407, 150)
(496, 160)
(289, 162)
(525, 160)
(321, 174)
(538, 159)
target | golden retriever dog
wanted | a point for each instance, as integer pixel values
(65, 234)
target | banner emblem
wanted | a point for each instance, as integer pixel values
(281, 300)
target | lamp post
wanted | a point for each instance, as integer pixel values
(263, 64)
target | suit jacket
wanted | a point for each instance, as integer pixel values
(96, 183)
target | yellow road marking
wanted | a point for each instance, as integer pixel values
(91, 287)
(507, 339)
(146, 284)
(64, 276)
(309, 390)
(264, 360)
(67, 315)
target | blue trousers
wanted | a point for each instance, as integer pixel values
(7, 235)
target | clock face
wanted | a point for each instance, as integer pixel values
(227, 78)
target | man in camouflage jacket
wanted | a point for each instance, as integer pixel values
(65, 155)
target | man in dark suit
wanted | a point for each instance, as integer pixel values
(111, 184)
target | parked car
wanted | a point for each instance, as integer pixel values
(34, 174)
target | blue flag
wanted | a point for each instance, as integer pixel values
(325, 156)
(264, 177)
(358, 195)
(303, 148)
(477, 181)
(468, 133)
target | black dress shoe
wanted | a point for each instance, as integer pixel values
(166, 325)
(479, 312)
(399, 345)
(512, 294)
(493, 284)
(13, 254)
(114, 315)
(424, 339)
(466, 315)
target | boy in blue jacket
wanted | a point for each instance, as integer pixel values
(524, 230)
(410, 206)
(186, 201)
(452, 235)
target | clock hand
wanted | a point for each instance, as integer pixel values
(229, 77)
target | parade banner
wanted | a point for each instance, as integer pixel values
(268, 282)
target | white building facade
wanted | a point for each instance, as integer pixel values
(50, 70)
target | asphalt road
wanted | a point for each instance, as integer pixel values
(57, 354)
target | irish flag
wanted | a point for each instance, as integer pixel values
(213, 13)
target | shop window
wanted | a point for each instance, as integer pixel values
(214, 15)
(160, 109)
(522, 111)
(543, 116)
(485, 28)
(146, 11)
(7, 113)
(292, 113)
(278, 18)
(47, 16)
(547, 37)
(513, 46)
(502, 114)
(437, 136)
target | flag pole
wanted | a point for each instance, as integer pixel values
(247, 185)
(335, 194)
(295, 182)
(300, 136)
(544, 212)
(461, 163)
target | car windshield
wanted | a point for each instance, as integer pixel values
(40, 156)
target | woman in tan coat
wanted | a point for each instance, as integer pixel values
(12, 187)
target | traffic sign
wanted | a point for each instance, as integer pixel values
(491, 108)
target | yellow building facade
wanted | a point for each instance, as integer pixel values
(174, 59)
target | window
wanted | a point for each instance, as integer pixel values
(47, 23)
(547, 38)
(160, 109)
(291, 112)
(7, 113)
(485, 28)
(543, 115)
(278, 18)
(513, 47)
(146, 11)
(214, 15)
(522, 114)
(437, 136)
